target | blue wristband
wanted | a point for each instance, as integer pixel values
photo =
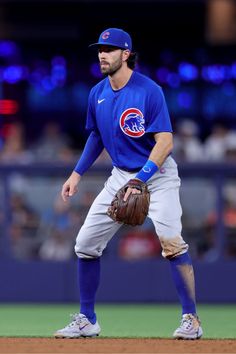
(147, 171)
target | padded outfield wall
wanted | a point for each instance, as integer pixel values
(144, 280)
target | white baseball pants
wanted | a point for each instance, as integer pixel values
(165, 212)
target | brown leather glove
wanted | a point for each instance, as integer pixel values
(134, 210)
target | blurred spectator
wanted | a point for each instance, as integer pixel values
(53, 145)
(103, 159)
(56, 247)
(187, 145)
(1, 226)
(57, 232)
(138, 244)
(229, 219)
(214, 146)
(67, 155)
(23, 228)
(230, 147)
(86, 199)
(13, 150)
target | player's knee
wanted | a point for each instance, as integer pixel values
(85, 250)
(172, 247)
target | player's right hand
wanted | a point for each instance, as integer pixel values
(70, 187)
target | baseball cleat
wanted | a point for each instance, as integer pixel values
(190, 328)
(80, 326)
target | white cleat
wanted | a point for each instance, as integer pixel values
(80, 326)
(190, 328)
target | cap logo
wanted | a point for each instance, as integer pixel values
(105, 35)
(126, 44)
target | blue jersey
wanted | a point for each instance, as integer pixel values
(127, 118)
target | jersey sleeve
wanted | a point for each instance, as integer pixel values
(158, 116)
(92, 150)
(91, 119)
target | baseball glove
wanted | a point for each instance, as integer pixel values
(134, 210)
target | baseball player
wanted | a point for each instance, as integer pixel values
(127, 115)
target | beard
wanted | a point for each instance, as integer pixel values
(110, 69)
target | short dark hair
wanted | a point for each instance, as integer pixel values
(131, 61)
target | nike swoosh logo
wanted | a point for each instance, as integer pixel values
(100, 101)
(82, 327)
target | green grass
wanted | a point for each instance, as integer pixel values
(116, 320)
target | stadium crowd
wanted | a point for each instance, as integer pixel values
(48, 233)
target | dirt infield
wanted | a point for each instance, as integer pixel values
(114, 345)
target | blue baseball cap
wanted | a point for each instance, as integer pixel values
(115, 37)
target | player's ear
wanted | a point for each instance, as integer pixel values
(126, 54)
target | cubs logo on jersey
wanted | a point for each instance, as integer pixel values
(132, 122)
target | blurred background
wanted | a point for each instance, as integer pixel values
(46, 72)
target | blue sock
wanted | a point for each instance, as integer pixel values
(89, 276)
(182, 272)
